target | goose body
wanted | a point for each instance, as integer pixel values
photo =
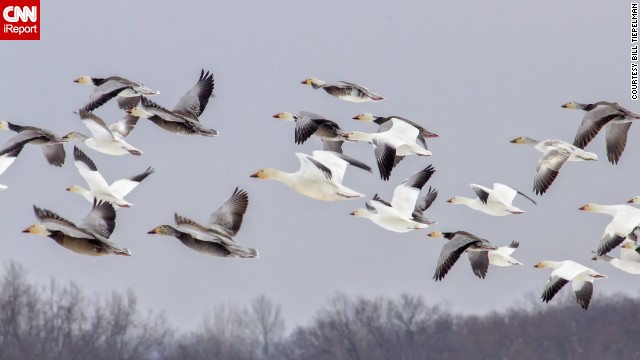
(617, 120)
(496, 202)
(394, 140)
(98, 187)
(405, 212)
(381, 120)
(106, 139)
(90, 238)
(217, 238)
(319, 177)
(481, 259)
(580, 276)
(344, 90)
(460, 242)
(555, 154)
(50, 143)
(126, 91)
(184, 118)
(625, 219)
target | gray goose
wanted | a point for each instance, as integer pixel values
(50, 143)
(127, 91)
(217, 238)
(90, 238)
(617, 119)
(308, 124)
(183, 119)
(344, 90)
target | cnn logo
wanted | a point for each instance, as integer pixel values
(20, 20)
(15, 13)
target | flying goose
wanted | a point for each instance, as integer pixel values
(345, 90)
(581, 278)
(98, 187)
(50, 144)
(308, 123)
(107, 140)
(127, 91)
(615, 117)
(628, 266)
(459, 242)
(555, 154)
(480, 260)
(319, 177)
(394, 140)
(497, 201)
(217, 239)
(625, 219)
(90, 238)
(183, 119)
(380, 120)
(405, 212)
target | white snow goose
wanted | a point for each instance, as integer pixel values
(497, 201)
(319, 177)
(423, 133)
(555, 154)
(394, 140)
(581, 278)
(107, 140)
(127, 91)
(344, 90)
(625, 220)
(405, 212)
(98, 187)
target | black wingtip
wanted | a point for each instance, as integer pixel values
(79, 155)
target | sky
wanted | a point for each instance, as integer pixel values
(478, 74)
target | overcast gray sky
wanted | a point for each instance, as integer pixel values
(477, 73)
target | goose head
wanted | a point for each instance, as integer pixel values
(287, 116)
(162, 230)
(37, 229)
(314, 82)
(436, 234)
(84, 80)
(366, 117)
(140, 112)
(634, 200)
(523, 140)
(267, 173)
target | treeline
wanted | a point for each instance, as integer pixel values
(61, 322)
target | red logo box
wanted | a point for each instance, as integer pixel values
(19, 19)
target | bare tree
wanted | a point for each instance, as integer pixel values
(265, 320)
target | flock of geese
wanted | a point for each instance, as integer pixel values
(321, 176)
